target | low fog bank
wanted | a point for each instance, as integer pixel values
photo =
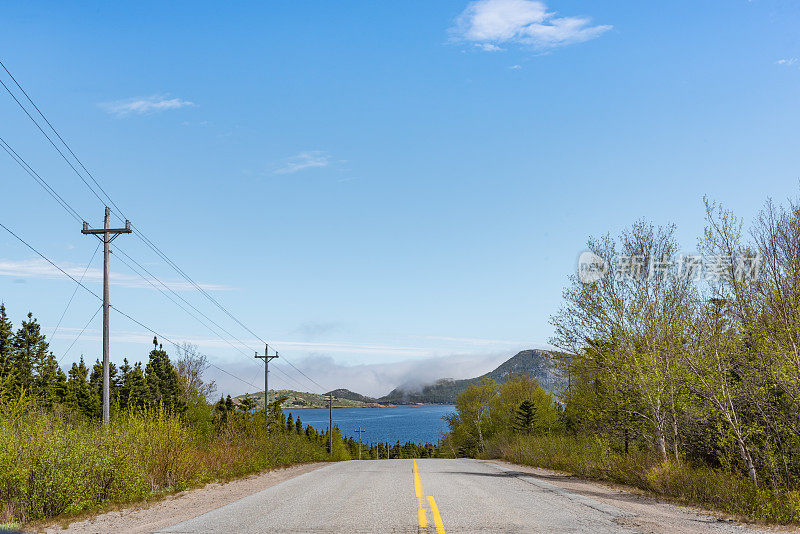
(374, 379)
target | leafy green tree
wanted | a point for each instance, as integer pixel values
(298, 426)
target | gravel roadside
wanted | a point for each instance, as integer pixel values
(647, 514)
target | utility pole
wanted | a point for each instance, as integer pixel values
(266, 357)
(106, 235)
(330, 422)
(359, 440)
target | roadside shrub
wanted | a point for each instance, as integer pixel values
(593, 458)
(59, 463)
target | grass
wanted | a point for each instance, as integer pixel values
(54, 464)
(712, 488)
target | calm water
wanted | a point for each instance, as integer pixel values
(419, 424)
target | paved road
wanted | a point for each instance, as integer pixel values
(432, 496)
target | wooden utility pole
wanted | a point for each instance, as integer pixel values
(266, 357)
(330, 422)
(106, 235)
(360, 431)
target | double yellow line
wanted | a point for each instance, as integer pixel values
(422, 513)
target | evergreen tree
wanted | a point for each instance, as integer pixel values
(134, 388)
(6, 343)
(289, 423)
(525, 419)
(30, 351)
(247, 404)
(50, 382)
(80, 395)
(298, 426)
(163, 383)
(229, 404)
(96, 379)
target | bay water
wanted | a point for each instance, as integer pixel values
(418, 424)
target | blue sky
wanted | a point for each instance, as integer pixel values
(389, 192)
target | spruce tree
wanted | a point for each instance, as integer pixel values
(80, 395)
(525, 419)
(289, 423)
(163, 383)
(6, 343)
(30, 352)
(49, 382)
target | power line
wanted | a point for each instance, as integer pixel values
(187, 311)
(41, 181)
(80, 333)
(59, 137)
(138, 232)
(65, 273)
(74, 292)
(51, 141)
(72, 212)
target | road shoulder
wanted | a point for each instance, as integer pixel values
(642, 512)
(153, 516)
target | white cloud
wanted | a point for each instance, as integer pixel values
(787, 61)
(144, 106)
(525, 22)
(489, 47)
(304, 160)
(38, 268)
(515, 67)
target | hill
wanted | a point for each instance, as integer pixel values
(342, 393)
(534, 363)
(342, 398)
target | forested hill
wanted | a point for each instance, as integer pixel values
(534, 363)
(342, 393)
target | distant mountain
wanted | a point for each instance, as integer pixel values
(534, 363)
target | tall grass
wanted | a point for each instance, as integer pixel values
(55, 463)
(714, 488)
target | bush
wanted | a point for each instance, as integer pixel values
(56, 463)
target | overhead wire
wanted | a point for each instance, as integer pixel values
(80, 333)
(131, 318)
(137, 232)
(53, 334)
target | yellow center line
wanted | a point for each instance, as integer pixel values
(422, 516)
(437, 519)
(422, 513)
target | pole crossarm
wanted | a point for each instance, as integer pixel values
(106, 235)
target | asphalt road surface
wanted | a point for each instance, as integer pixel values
(432, 496)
